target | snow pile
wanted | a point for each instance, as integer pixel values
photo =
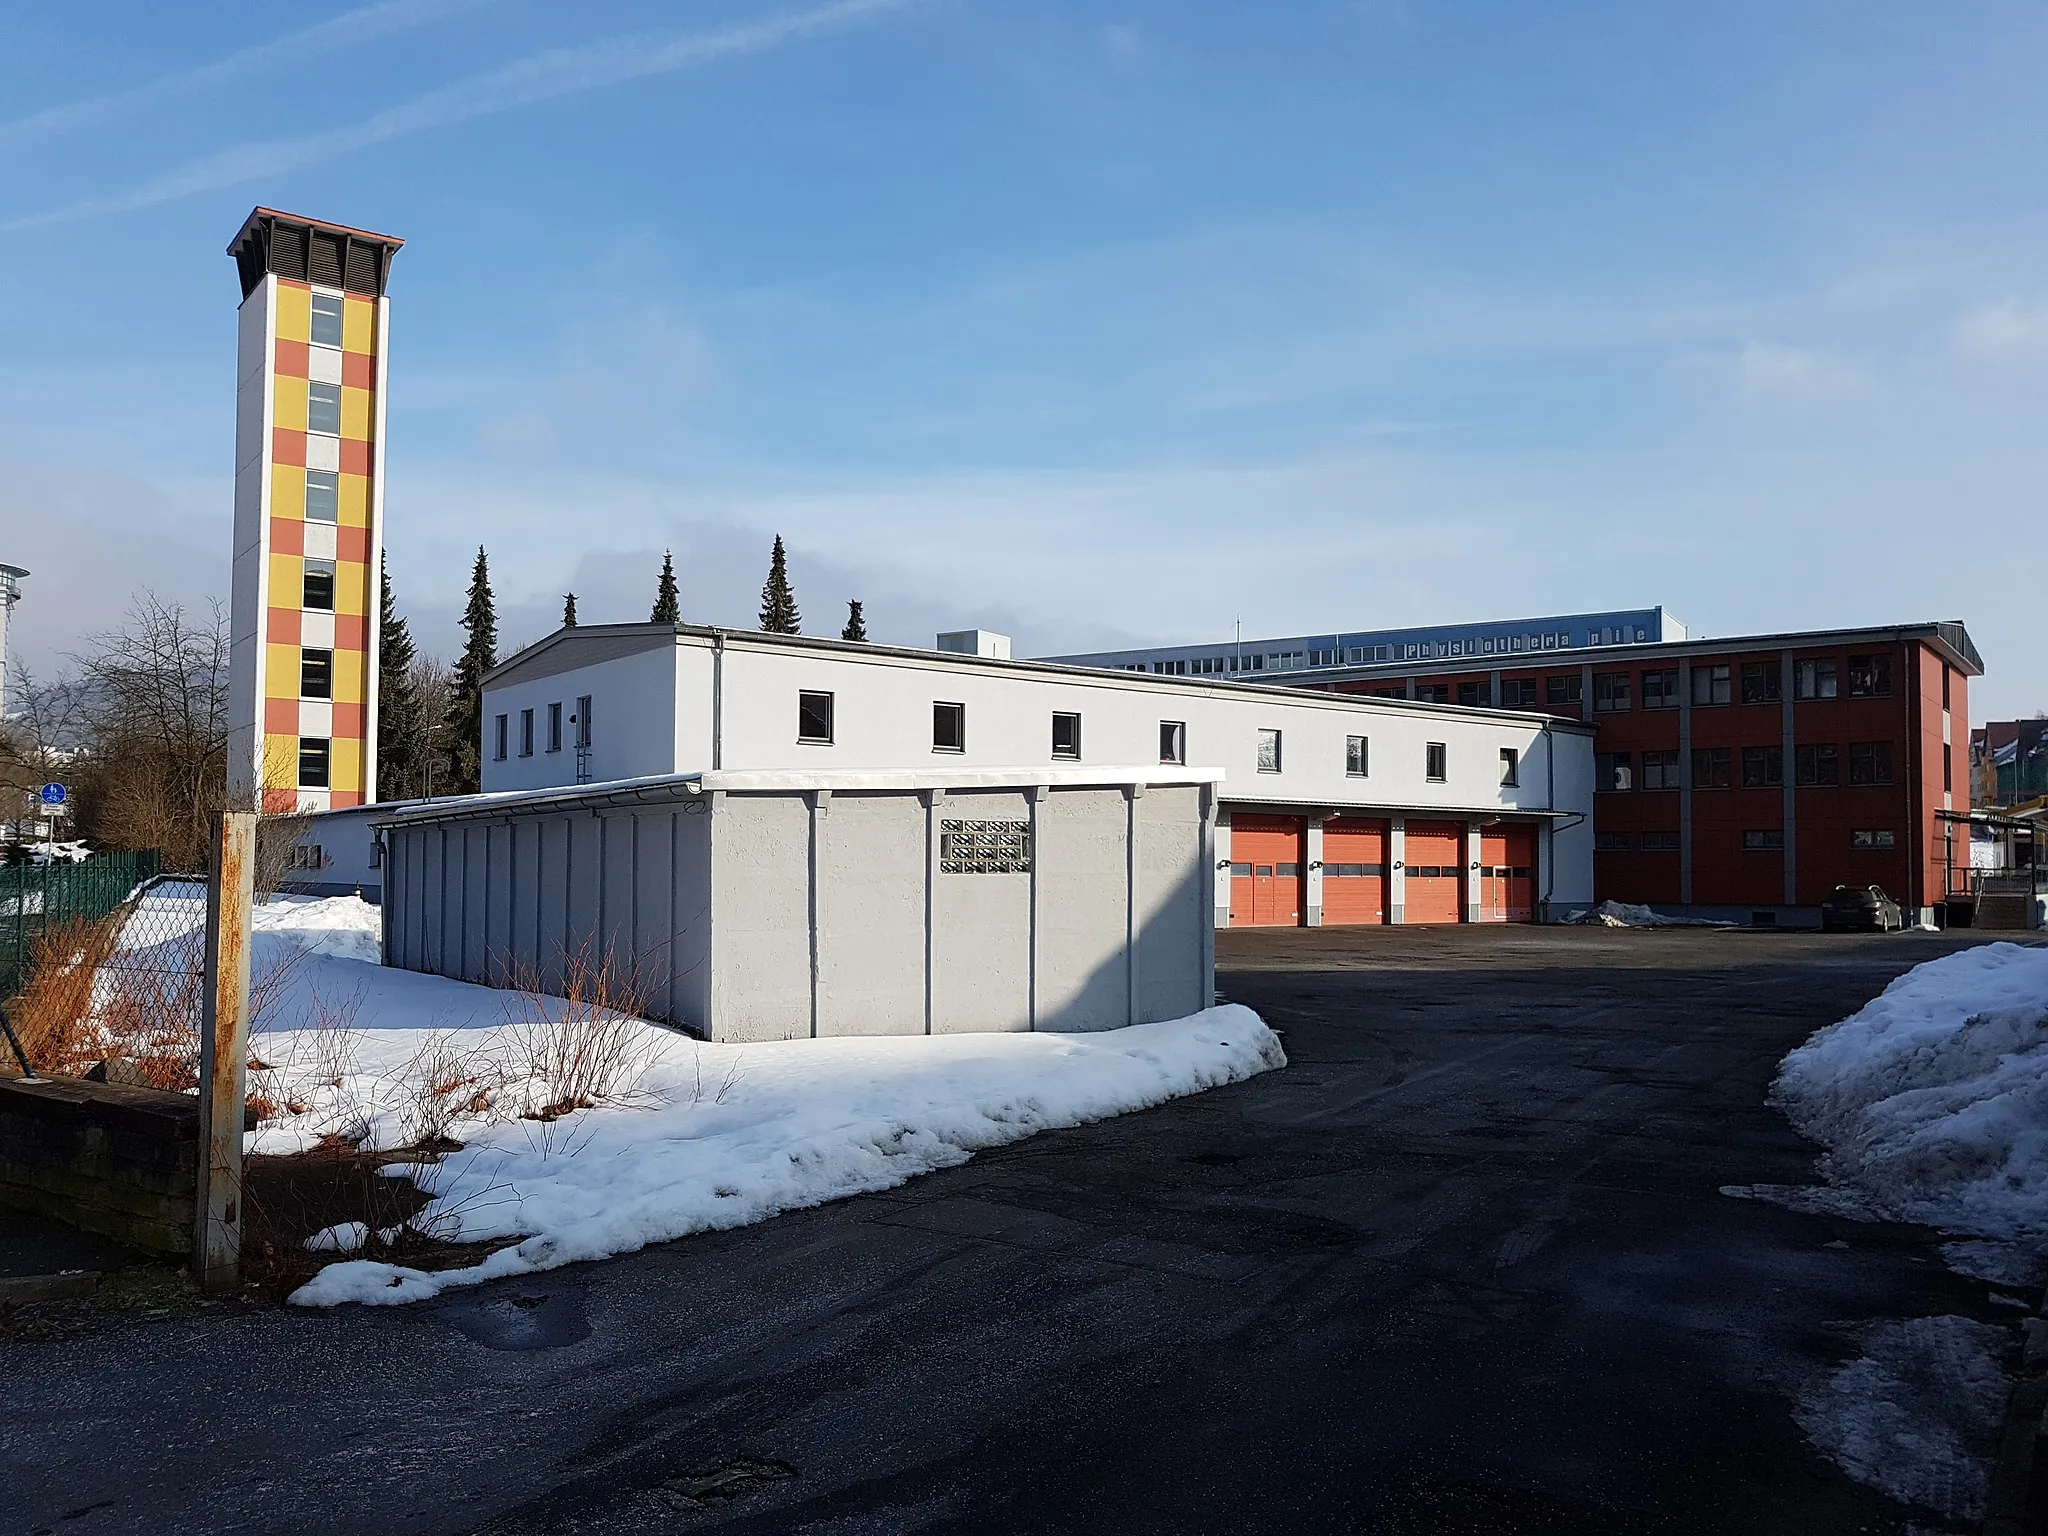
(1932, 1101)
(1628, 914)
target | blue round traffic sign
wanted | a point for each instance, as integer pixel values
(53, 794)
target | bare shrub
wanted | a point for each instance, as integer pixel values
(587, 1042)
(447, 1080)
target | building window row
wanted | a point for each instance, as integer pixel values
(501, 729)
(1754, 840)
(1815, 765)
(1756, 682)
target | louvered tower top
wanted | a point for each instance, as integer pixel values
(312, 251)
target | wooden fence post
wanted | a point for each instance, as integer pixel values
(224, 1053)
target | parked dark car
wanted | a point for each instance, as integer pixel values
(1861, 906)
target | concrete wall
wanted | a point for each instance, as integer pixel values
(119, 1161)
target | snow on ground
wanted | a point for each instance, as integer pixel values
(1628, 914)
(685, 1136)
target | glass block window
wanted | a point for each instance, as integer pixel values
(984, 847)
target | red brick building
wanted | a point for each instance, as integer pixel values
(1749, 775)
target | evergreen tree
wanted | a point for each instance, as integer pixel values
(401, 713)
(668, 607)
(569, 611)
(856, 622)
(466, 693)
(778, 603)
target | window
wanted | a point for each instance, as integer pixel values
(1660, 689)
(526, 733)
(1762, 767)
(502, 733)
(1872, 839)
(323, 496)
(1433, 693)
(1816, 764)
(1518, 693)
(327, 319)
(1710, 685)
(1357, 757)
(1870, 677)
(1066, 735)
(1269, 751)
(581, 720)
(1480, 694)
(318, 591)
(1510, 768)
(316, 674)
(309, 856)
(1710, 766)
(1173, 741)
(1813, 679)
(555, 727)
(949, 727)
(1435, 762)
(1769, 840)
(323, 409)
(1562, 690)
(1948, 768)
(814, 719)
(1613, 771)
(1870, 762)
(1610, 692)
(313, 760)
(1763, 682)
(1660, 771)
(1944, 686)
(1610, 842)
(1660, 842)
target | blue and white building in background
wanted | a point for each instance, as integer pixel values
(1428, 642)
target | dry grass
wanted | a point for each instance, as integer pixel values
(53, 1015)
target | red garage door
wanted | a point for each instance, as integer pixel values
(1435, 876)
(1265, 870)
(1354, 871)
(1507, 875)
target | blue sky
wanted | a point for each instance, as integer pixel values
(1090, 322)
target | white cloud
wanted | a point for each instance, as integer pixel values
(1771, 371)
(2004, 329)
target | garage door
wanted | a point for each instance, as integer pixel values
(1265, 870)
(1354, 871)
(1435, 876)
(1507, 874)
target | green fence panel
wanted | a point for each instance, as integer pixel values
(35, 896)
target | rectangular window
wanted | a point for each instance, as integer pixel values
(1710, 685)
(1269, 751)
(814, 719)
(1173, 741)
(1610, 842)
(1870, 677)
(1480, 694)
(1433, 693)
(1436, 762)
(1066, 735)
(1944, 686)
(1870, 762)
(1770, 839)
(314, 756)
(1873, 839)
(1357, 759)
(555, 727)
(1948, 768)
(501, 734)
(323, 409)
(1710, 766)
(949, 727)
(327, 319)
(1660, 842)
(1510, 768)
(581, 720)
(1613, 771)
(1660, 771)
(1762, 767)
(1562, 690)
(1763, 682)
(1816, 764)
(526, 733)
(316, 674)
(1518, 693)
(318, 593)
(1813, 679)
(1610, 692)
(323, 496)
(1660, 689)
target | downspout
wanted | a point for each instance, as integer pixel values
(717, 700)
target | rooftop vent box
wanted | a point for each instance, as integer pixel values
(976, 642)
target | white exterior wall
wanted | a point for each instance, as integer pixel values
(634, 708)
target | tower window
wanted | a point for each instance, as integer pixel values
(323, 496)
(323, 409)
(316, 674)
(319, 589)
(327, 319)
(314, 758)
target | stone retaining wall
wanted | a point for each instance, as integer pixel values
(103, 1157)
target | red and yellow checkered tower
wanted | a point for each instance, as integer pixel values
(309, 511)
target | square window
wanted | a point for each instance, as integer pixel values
(316, 674)
(1710, 685)
(1660, 689)
(503, 734)
(318, 588)
(1816, 763)
(1660, 842)
(1173, 741)
(1510, 768)
(1870, 762)
(581, 720)
(1357, 758)
(1768, 840)
(1436, 762)
(1610, 692)
(1610, 842)
(1613, 772)
(1763, 682)
(1870, 677)
(1269, 751)
(1479, 694)
(323, 409)
(1518, 693)
(526, 733)
(1562, 690)
(1710, 766)
(323, 496)
(327, 319)
(949, 727)
(1872, 839)
(1066, 735)
(555, 727)
(1660, 771)
(814, 719)
(1762, 767)
(314, 757)
(1813, 679)
(1433, 693)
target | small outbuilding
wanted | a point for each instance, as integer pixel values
(780, 905)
